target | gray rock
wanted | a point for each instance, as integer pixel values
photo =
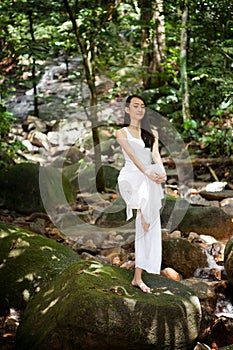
(228, 260)
(207, 221)
(182, 256)
(218, 195)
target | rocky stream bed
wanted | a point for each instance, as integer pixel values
(197, 219)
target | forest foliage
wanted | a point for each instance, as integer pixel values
(138, 45)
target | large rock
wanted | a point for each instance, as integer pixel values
(228, 260)
(183, 256)
(20, 187)
(212, 221)
(218, 195)
(93, 306)
(28, 261)
(84, 178)
(222, 331)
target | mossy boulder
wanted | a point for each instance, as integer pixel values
(94, 306)
(20, 187)
(28, 261)
(83, 176)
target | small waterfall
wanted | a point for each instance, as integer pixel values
(212, 272)
(224, 307)
(22, 104)
(48, 78)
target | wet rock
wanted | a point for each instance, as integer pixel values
(179, 214)
(205, 292)
(228, 260)
(211, 221)
(218, 195)
(39, 139)
(227, 206)
(222, 331)
(32, 123)
(89, 246)
(19, 188)
(95, 306)
(182, 256)
(72, 156)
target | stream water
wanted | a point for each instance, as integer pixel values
(214, 275)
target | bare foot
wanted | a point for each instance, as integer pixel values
(142, 286)
(145, 224)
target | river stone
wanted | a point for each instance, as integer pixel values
(183, 256)
(211, 221)
(94, 306)
(218, 195)
(28, 261)
(84, 179)
(228, 260)
(20, 188)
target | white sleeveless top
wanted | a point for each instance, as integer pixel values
(138, 146)
(135, 187)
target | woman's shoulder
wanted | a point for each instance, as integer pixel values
(121, 132)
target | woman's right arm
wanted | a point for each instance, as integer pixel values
(121, 137)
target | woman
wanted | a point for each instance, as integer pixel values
(140, 186)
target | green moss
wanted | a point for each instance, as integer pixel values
(96, 306)
(21, 186)
(83, 177)
(28, 261)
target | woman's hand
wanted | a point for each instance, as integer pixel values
(156, 177)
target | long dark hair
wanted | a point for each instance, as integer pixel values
(146, 132)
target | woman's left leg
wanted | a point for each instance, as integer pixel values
(138, 282)
(145, 225)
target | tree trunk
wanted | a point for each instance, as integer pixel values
(183, 64)
(146, 17)
(89, 68)
(158, 42)
(152, 44)
(34, 82)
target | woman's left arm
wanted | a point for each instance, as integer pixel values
(157, 158)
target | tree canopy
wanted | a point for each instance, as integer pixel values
(139, 45)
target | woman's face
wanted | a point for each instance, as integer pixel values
(136, 109)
